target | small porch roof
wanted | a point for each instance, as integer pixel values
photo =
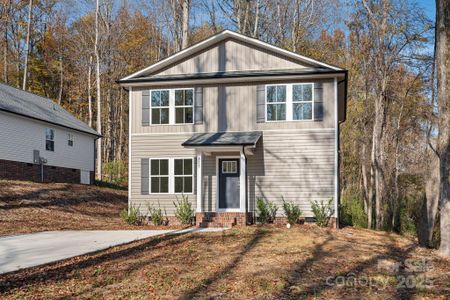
(223, 139)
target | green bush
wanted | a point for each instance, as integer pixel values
(156, 216)
(322, 211)
(131, 216)
(115, 172)
(266, 210)
(352, 212)
(183, 210)
(292, 211)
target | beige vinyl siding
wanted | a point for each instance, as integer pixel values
(231, 55)
(233, 108)
(19, 136)
(298, 165)
(156, 146)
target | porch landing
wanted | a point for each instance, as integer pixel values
(222, 219)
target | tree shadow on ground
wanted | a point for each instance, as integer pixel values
(297, 275)
(54, 272)
(205, 284)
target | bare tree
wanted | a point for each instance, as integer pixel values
(90, 92)
(99, 102)
(27, 45)
(185, 24)
(443, 98)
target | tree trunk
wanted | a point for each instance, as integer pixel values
(27, 45)
(185, 24)
(443, 95)
(255, 29)
(99, 103)
(90, 92)
(61, 80)
(5, 43)
(430, 203)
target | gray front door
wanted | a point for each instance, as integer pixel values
(229, 183)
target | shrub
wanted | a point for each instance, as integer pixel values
(183, 210)
(292, 211)
(131, 215)
(352, 212)
(156, 216)
(322, 211)
(115, 172)
(266, 210)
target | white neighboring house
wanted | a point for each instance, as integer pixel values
(40, 141)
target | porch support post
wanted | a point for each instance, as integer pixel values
(242, 180)
(199, 180)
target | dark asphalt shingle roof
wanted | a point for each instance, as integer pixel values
(36, 107)
(224, 139)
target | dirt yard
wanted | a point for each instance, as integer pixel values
(303, 262)
(30, 207)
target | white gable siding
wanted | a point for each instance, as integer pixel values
(231, 55)
(19, 136)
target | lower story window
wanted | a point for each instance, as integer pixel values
(159, 176)
(183, 175)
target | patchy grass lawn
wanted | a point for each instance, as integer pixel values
(253, 262)
(30, 207)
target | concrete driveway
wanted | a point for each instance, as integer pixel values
(29, 250)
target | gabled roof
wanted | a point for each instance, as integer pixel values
(217, 38)
(30, 105)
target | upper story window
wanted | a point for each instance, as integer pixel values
(171, 106)
(276, 102)
(302, 101)
(49, 139)
(184, 106)
(70, 139)
(290, 102)
(160, 107)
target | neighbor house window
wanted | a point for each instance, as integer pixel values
(276, 102)
(183, 175)
(160, 107)
(184, 106)
(70, 139)
(159, 175)
(49, 139)
(302, 101)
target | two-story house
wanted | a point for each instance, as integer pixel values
(231, 119)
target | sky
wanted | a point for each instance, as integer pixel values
(429, 6)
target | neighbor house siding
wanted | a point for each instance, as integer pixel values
(19, 136)
(231, 55)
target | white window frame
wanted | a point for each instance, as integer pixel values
(232, 163)
(53, 140)
(70, 138)
(174, 176)
(150, 175)
(172, 106)
(160, 107)
(289, 102)
(300, 102)
(171, 175)
(183, 106)
(285, 103)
